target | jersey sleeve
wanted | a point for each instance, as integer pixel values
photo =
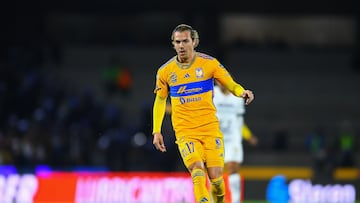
(161, 86)
(158, 113)
(220, 73)
(224, 77)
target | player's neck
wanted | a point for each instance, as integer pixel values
(184, 64)
(188, 60)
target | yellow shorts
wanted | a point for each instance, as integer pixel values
(208, 149)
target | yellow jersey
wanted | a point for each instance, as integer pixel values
(190, 87)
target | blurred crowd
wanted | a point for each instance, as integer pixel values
(41, 123)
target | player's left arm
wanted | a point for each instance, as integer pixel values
(224, 77)
(239, 91)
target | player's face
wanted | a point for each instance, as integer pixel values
(184, 46)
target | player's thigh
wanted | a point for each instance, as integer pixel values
(191, 151)
(214, 151)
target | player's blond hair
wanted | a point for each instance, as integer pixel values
(193, 33)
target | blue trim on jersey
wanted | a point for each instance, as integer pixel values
(192, 88)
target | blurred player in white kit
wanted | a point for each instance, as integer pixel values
(230, 112)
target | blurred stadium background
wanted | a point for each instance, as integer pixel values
(76, 82)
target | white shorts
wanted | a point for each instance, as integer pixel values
(233, 151)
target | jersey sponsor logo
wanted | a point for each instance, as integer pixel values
(189, 89)
(188, 100)
(199, 72)
(183, 90)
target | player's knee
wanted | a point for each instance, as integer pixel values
(196, 165)
(215, 172)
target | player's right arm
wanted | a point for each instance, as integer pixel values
(161, 91)
(158, 113)
(158, 116)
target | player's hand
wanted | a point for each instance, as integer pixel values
(253, 140)
(158, 141)
(248, 95)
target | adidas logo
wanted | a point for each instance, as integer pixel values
(204, 199)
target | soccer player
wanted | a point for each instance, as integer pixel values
(188, 78)
(230, 111)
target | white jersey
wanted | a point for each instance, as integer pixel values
(230, 110)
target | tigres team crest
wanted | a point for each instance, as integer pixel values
(199, 73)
(218, 143)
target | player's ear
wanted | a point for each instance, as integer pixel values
(195, 37)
